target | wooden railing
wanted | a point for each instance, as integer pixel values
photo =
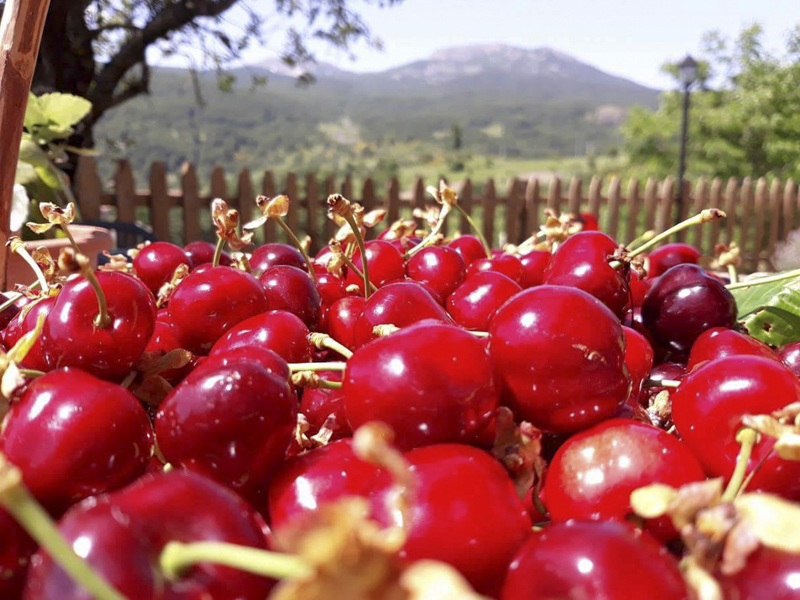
(760, 213)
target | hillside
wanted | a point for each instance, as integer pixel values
(508, 102)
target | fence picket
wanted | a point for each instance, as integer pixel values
(269, 190)
(634, 203)
(392, 204)
(312, 210)
(489, 201)
(465, 202)
(330, 226)
(125, 189)
(774, 220)
(88, 188)
(746, 201)
(650, 204)
(715, 201)
(513, 208)
(554, 195)
(191, 203)
(574, 198)
(595, 196)
(614, 200)
(533, 201)
(700, 203)
(789, 201)
(245, 198)
(159, 201)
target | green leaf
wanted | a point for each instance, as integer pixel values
(777, 321)
(49, 177)
(30, 152)
(33, 113)
(64, 109)
(750, 299)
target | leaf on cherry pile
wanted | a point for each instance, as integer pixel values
(771, 311)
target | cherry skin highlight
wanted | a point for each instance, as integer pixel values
(342, 318)
(473, 303)
(271, 255)
(276, 330)
(440, 267)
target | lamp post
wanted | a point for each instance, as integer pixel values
(687, 71)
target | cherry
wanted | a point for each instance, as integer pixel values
(602, 561)
(271, 255)
(707, 408)
(331, 288)
(507, 264)
(73, 435)
(534, 264)
(768, 573)
(790, 355)
(268, 359)
(440, 267)
(667, 256)
(342, 317)
(11, 311)
(320, 404)
(720, 342)
(16, 548)
(639, 288)
(668, 371)
(232, 422)
(593, 474)
(322, 258)
(589, 221)
(201, 253)
(559, 354)
(23, 323)
(276, 330)
(638, 359)
(683, 304)
(384, 261)
(401, 304)
(431, 383)
(469, 247)
(583, 261)
(136, 523)
(473, 303)
(155, 263)
(207, 304)
(292, 289)
(72, 338)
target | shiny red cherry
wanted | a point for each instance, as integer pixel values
(276, 330)
(639, 288)
(768, 573)
(534, 264)
(23, 323)
(667, 256)
(638, 358)
(202, 253)
(469, 247)
(342, 317)
(155, 263)
(507, 264)
(233, 423)
(331, 288)
(401, 304)
(720, 342)
(385, 263)
(207, 304)
(326, 407)
(73, 435)
(589, 221)
(292, 289)
(601, 561)
(593, 474)
(559, 354)
(71, 338)
(440, 267)
(431, 383)
(271, 255)
(790, 356)
(683, 304)
(708, 406)
(473, 303)
(583, 261)
(137, 522)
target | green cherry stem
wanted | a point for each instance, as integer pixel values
(297, 244)
(746, 438)
(357, 271)
(667, 383)
(431, 237)
(103, 319)
(18, 501)
(351, 220)
(177, 557)
(14, 296)
(322, 341)
(22, 251)
(68, 233)
(468, 219)
(218, 251)
(318, 366)
(762, 280)
(704, 216)
(645, 237)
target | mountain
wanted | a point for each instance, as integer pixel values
(508, 101)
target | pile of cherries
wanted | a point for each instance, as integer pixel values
(194, 395)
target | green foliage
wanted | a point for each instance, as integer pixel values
(748, 124)
(771, 312)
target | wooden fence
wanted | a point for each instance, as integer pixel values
(760, 213)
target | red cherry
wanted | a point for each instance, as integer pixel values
(667, 256)
(23, 323)
(440, 267)
(16, 548)
(207, 304)
(639, 288)
(768, 573)
(233, 423)
(665, 371)
(507, 264)
(469, 247)
(155, 263)
(589, 221)
(638, 358)
(601, 561)
(71, 338)
(268, 359)
(276, 330)
(402, 303)
(790, 355)
(292, 289)
(534, 264)
(342, 319)
(593, 474)
(73, 435)
(202, 253)
(431, 383)
(707, 408)
(583, 261)
(271, 255)
(384, 261)
(560, 356)
(318, 405)
(474, 302)
(11, 311)
(331, 288)
(720, 342)
(137, 522)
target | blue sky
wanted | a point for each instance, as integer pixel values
(631, 38)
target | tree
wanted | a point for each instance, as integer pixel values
(98, 49)
(745, 116)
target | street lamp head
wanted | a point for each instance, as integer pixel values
(687, 70)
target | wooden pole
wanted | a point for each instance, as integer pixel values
(20, 37)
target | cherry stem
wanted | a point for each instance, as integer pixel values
(645, 237)
(14, 296)
(351, 220)
(218, 252)
(30, 515)
(298, 244)
(177, 557)
(763, 280)
(22, 251)
(734, 276)
(318, 382)
(703, 216)
(480, 334)
(318, 366)
(322, 341)
(32, 373)
(68, 233)
(487, 248)
(350, 265)
(431, 237)
(667, 383)
(103, 319)
(746, 438)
